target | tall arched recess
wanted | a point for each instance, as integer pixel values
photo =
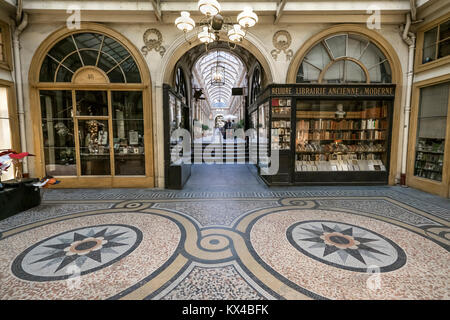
(396, 74)
(90, 100)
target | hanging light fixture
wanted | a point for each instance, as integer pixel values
(210, 27)
(185, 23)
(209, 7)
(247, 18)
(206, 37)
(236, 34)
(218, 74)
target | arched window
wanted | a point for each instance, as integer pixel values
(256, 84)
(345, 58)
(89, 49)
(92, 109)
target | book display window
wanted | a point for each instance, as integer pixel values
(281, 124)
(342, 135)
(327, 134)
(431, 132)
(263, 133)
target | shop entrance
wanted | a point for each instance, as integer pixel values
(92, 118)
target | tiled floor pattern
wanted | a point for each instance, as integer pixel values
(311, 243)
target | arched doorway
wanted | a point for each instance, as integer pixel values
(214, 73)
(92, 113)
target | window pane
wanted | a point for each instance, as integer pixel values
(381, 73)
(106, 63)
(73, 62)
(337, 45)
(429, 45)
(92, 103)
(5, 131)
(432, 125)
(48, 70)
(5, 143)
(89, 57)
(356, 45)
(318, 57)
(2, 56)
(4, 112)
(94, 148)
(354, 73)
(372, 56)
(56, 105)
(88, 40)
(335, 73)
(64, 75)
(62, 48)
(58, 133)
(308, 73)
(131, 71)
(444, 49)
(114, 49)
(116, 76)
(444, 31)
(128, 125)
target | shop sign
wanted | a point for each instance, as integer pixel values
(379, 91)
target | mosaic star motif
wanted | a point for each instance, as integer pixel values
(89, 249)
(343, 243)
(346, 246)
(82, 247)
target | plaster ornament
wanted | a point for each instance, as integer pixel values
(153, 40)
(282, 41)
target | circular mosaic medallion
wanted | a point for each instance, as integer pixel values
(76, 252)
(346, 246)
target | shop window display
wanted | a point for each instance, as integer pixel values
(342, 135)
(128, 127)
(58, 133)
(263, 134)
(96, 132)
(431, 133)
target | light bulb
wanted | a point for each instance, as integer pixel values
(185, 22)
(236, 34)
(247, 18)
(209, 7)
(205, 36)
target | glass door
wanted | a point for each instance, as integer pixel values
(94, 127)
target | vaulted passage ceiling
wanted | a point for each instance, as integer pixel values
(219, 96)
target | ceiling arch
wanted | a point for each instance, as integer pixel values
(220, 96)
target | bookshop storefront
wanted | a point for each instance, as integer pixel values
(327, 134)
(336, 124)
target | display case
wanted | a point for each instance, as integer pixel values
(330, 134)
(176, 116)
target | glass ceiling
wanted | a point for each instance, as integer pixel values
(220, 96)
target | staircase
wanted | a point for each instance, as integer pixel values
(229, 152)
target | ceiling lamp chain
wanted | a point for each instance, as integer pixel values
(213, 23)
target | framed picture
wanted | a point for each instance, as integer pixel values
(134, 137)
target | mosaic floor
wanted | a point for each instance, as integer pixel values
(316, 243)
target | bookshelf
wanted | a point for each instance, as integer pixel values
(429, 161)
(356, 142)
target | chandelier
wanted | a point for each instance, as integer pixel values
(218, 73)
(210, 26)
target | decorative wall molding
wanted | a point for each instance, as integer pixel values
(153, 40)
(282, 41)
